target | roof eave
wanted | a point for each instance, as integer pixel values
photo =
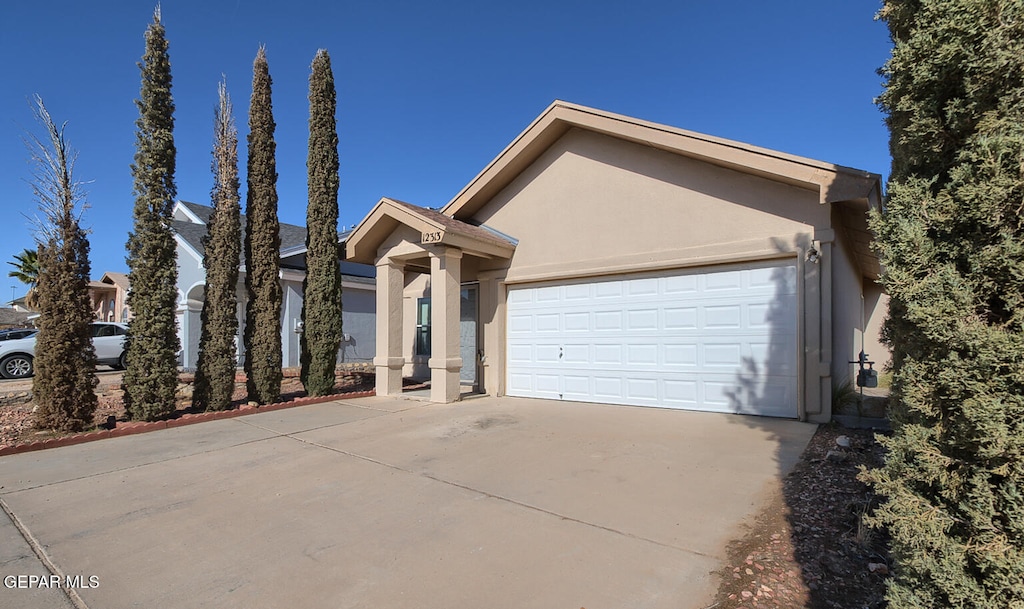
(832, 182)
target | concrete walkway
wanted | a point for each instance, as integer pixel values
(376, 502)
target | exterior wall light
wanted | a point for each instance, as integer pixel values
(812, 255)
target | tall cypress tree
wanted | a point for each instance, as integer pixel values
(215, 374)
(321, 302)
(262, 245)
(152, 374)
(65, 362)
(951, 241)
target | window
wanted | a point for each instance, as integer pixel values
(423, 326)
(99, 330)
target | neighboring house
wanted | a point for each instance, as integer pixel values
(607, 259)
(358, 313)
(18, 304)
(13, 318)
(109, 298)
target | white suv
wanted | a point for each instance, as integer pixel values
(108, 339)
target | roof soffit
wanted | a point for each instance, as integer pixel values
(389, 214)
(832, 182)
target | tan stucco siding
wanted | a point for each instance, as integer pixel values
(846, 313)
(417, 286)
(876, 307)
(593, 204)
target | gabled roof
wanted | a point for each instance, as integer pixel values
(10, 317)
(293, 238)
(118, 279)
(832, 182)
(854, 191)
(198, 213)
(388, 214)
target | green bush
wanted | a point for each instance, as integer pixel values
(951, 241)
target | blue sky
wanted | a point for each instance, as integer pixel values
(428, 92)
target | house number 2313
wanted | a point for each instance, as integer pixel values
(431, 237)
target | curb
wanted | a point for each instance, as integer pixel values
(136, 427)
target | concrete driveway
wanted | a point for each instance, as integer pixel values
(376, 502)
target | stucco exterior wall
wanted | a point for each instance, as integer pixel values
(589, 205)
(417, 285)
(592, 204)
(359, 323)
(191, 279)
(876, 307)
(190, 269)
(291, 313)
(847, 323)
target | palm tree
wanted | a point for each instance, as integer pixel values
(27, 272)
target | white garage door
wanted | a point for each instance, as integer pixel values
(723, 340)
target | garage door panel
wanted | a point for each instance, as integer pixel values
(681, 284)
(576, 386)
(608, 387)
(723, 281)
(642, 287)
(577, 292)
(680, 355)
(642, 356)
(576, 355)
(681, 393)
(777, 280)
(643, 389)
(723, 340)
(680, 318)
(607, 289)
(520, 383)
(520, 324)
(642, 319)
(520, 355)
(723, 317)
(608, 355)
(547, 322)
(547, 384)
(547, 354)
(576, 321)
(608, 321)
(728, 355)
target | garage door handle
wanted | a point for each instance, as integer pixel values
(559, 353)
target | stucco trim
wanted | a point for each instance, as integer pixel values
(180, 206)
(185, 245)
(388, 214)
(832, 182)
(705, 255)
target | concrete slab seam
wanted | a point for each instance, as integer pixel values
(289, 434)
(356, 405)
(43, 557)
(509, 500)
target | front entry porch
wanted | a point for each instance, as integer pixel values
(427, 297)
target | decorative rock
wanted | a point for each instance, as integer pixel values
(878, 568)
(843, 441)
(836, 456)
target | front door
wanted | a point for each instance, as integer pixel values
(468, 336)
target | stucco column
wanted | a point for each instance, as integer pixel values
(492, 311)
(389, 360)
(445, 309)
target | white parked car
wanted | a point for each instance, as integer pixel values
(108, 338)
